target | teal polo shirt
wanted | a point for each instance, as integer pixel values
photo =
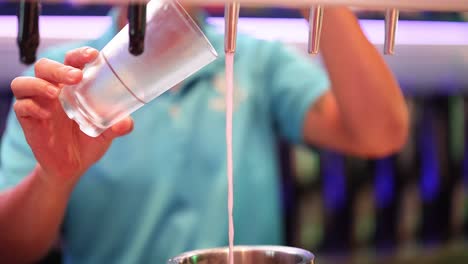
(162, 190)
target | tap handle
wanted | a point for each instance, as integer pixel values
(28, 30)
(391, 23)
(315, 28)
(231, 17)
(136, 27)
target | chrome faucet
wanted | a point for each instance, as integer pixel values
(231, 17)
(391, 23)
(315, 28)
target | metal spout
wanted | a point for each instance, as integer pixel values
(136, 28)
(28, 30)
(315, 29)
(391, 23)
(231, 16)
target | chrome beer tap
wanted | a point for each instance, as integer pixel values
(391, 23)
(315, 28)
(231, 17)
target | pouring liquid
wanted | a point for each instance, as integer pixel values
(229, 110)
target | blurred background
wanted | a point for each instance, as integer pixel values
(408, 208)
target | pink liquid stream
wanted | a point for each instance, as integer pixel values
(229, 110)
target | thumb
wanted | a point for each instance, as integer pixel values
(122, 128)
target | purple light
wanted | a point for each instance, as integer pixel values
(430, 173)
(334, 181)
(281, 29)
(408, 32)
(60, 27)
(384, 183)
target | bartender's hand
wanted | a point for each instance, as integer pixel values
(61, 149)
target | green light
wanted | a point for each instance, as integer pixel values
(194, 259)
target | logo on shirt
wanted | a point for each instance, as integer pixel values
(218, 103)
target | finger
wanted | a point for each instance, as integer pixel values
(55, 72)
(122, 128)
(25, 87)
(29, 108)
(79, 57)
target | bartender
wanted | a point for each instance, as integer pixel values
(154, 185)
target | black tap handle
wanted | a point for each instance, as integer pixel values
(136, 28)
(28, 30)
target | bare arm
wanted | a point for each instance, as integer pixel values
(30, 216)
(364, 113)
(32, 211)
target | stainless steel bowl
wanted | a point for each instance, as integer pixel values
(246, 255)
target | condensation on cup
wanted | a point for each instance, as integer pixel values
(117, 83)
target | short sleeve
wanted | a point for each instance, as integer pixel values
(296, 82)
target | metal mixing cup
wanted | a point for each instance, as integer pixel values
(246, 255)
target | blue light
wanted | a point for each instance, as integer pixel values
(334, 182)
(429, 163)
(384, 182)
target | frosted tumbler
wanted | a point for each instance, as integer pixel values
(118, 83)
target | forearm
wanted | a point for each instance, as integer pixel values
(30, 217)
(370, 103)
